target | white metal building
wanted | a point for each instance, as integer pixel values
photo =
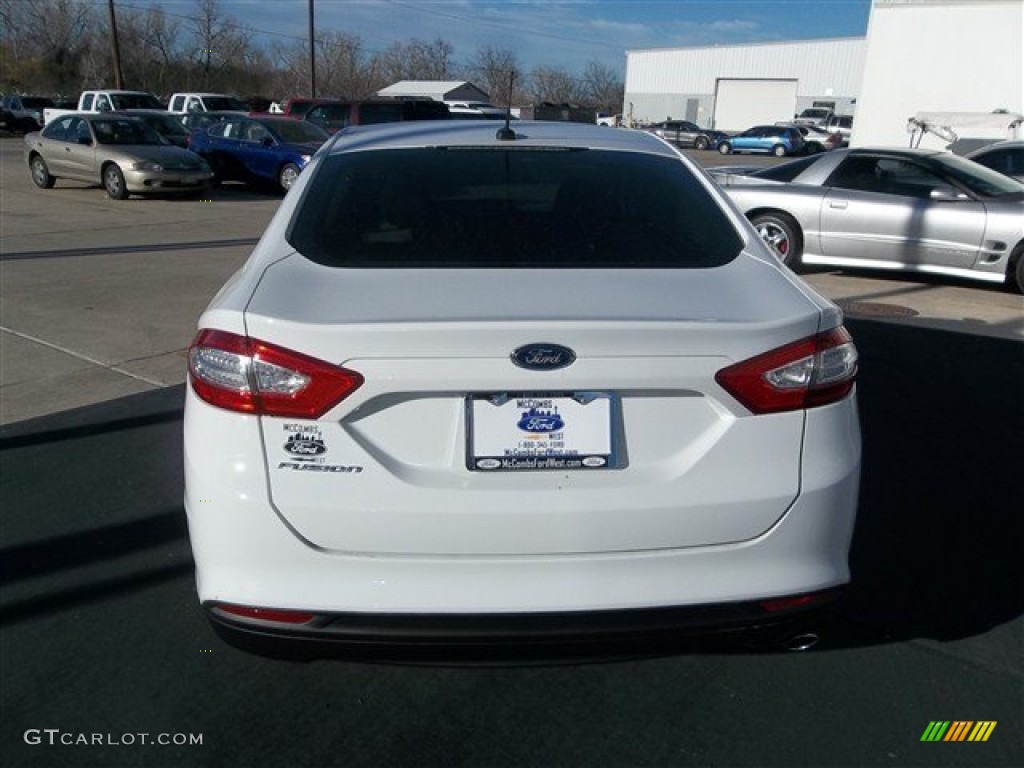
(956, 56)
(939, 56)
(733, 87)
(438, 90)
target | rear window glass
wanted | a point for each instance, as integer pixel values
(520, 207)
(786, 171)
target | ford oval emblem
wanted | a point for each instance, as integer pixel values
(543, 357)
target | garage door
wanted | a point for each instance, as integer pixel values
(740, 104)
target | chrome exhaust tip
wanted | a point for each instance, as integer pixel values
(805, 641)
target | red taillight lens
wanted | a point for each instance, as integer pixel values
(266, 614)
(252, 376)
(811, 372)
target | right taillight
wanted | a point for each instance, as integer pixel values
(814, 371)
(238, 373)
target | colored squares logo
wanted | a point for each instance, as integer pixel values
(958, 730)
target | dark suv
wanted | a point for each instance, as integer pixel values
(333, 116)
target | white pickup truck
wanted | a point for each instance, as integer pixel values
(107, 101)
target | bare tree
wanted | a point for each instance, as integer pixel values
(553, 85)
(497, 71)
(341, 67)
(416, 60)
(602, 87)
(47, 40)
(219, 45)
(161, 37)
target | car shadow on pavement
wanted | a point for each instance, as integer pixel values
(936, 551)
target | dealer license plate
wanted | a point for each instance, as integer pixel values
(539, 431)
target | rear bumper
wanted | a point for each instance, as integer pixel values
(324, 633)
(247, 555)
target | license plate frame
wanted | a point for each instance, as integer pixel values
(541, 431)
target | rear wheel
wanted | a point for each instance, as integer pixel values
(725, 147)
(113, 182)
(287, 176)
(701, 142)
(782, 235)
(779, 151)
(40, 173)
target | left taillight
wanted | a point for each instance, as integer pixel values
(811, 372)
(247, 375)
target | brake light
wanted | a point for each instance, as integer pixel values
(238, 373)
(811, 372)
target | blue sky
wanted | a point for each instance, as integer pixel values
(558, 33)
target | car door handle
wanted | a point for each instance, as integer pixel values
(840, 204)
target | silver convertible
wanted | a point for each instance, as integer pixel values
(913, 210)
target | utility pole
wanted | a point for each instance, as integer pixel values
(118, 73)
(312, 55)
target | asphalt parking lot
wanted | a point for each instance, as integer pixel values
(100, 633)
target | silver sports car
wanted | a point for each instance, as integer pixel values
(914, 210)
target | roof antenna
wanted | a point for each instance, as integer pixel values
(506, 133)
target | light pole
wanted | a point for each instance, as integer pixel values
(118, 74)
(312, 55)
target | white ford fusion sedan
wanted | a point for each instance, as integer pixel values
(478, 384)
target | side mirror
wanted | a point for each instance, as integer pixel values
(85, 141)
(946, 193)
(267, 142)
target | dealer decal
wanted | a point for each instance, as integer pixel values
(306, 445)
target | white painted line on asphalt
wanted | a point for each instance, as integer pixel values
(80, 356)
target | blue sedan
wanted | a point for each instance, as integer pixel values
(778, 140)
(259, 149)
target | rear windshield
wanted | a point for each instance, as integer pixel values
(130, 131)
(297, 131)
(786, 171)
(481, 207)
(224, 103)
(135, 101)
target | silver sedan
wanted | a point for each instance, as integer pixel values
(912, 210)
(122, 153)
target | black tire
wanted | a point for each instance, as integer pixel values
(779, 151)
(701, 142)
(1015, 271)
(113, 182)
(287, 176)
(725, 148)
(40, 173)
(782, 235)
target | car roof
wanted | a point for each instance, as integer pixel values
(1004, 144)
(474, 133)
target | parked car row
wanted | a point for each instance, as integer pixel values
(781, 139)
(252, 148)
(912, 210)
